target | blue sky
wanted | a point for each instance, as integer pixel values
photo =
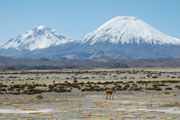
(75, 18)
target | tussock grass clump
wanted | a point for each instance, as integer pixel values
(39, 97)
(2, 85)
(168, 88)
(149, 117)
(98, 119)
(177, 86)
(32, 91)
(137, 89)
(60, 89)
(157, 89)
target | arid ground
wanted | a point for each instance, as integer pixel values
(141, 94)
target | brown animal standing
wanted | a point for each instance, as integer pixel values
(110, 94)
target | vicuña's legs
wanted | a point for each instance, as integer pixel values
(106, 96)
(109, 96)
(112, 97)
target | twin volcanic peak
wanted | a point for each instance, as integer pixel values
(121, 29)
(37, 38)
(121, 37)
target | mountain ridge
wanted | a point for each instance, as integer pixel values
(121, 37)
(38, 38)
(7, 63)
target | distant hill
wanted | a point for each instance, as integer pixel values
(7, 63)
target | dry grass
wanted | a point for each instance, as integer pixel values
(11, 115)
(148, 116)
(167, 118)
(126, 117)
(54, 119)
(98, 119)
(26, 119)
(44, 114)
(29, 108)
(101, 115)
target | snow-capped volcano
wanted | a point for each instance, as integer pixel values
(37, 38)
(128, 29)
(121, 37)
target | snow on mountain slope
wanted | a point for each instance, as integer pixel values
(128, 29)
(1, 45)
(37, 38)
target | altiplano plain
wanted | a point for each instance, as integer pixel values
(142, 93)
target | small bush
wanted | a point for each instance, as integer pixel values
(168, 88)
(39, 97)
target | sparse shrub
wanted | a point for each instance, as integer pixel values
(154, 76)
(121, 82)
(19, 86)
(1, 76)
(2, 85)
(126, 87)
(119, 88)
(168, 88)
(66, 82)
(75, 80)
(81, 83)
(61, 89)
(18, 90)
(177, 86)
(157, 89)
(32, 91)
(134, 85)
(11, 88)
(166, 92)
(149, 88)
(137, 89)
(39, 97)
(130, 82)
